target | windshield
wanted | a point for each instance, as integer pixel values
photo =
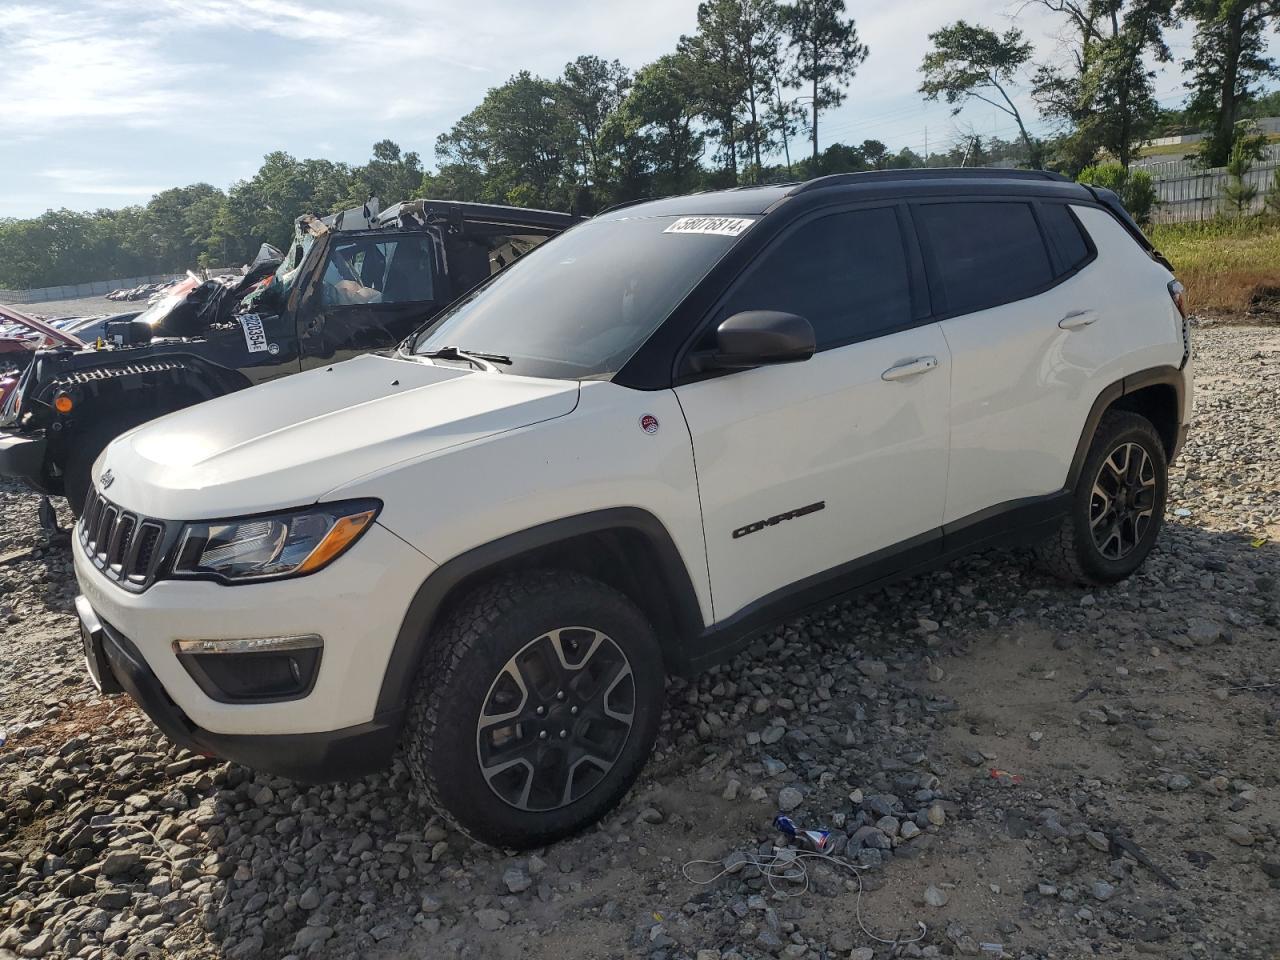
(582, 304)
(273, 291)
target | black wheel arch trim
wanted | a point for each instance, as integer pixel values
(1170, 376)
(430, 599)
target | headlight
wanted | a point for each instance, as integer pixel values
(289, 544)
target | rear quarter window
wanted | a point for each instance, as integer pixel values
(983, 253)
(1066, 235)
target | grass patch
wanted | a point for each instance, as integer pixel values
(1227, 266)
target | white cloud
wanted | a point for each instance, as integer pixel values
(79, 180)
(137, 92)
(64, 66)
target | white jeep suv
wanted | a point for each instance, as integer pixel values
(672, 426)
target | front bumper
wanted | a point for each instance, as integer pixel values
(22, 456)
(343, 754)
(356, 605)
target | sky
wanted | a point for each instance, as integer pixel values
(105, 102)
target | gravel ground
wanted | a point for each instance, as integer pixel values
(1029, 769)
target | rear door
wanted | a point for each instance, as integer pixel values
(376, 288)
(1026, 325)
(804, 468)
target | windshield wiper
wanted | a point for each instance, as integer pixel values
(483, 361)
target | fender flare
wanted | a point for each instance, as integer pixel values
(1170, 376)
(411, 639)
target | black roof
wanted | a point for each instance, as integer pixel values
(748, 201)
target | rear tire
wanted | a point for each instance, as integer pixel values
(1117, 508)
(536, 707)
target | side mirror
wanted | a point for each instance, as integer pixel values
(757, 338)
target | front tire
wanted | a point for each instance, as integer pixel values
(537, 704)
(1117, 509)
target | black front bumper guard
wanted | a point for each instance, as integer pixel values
(334, 755)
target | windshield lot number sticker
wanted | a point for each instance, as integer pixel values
(255, 337)
(717, 226)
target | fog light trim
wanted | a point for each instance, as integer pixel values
(249, 645)
(253, 670)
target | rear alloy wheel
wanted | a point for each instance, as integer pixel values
(1117, 508)
(1122, 501)
(537, 704)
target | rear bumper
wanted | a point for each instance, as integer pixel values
(333, 755)
(22, 456)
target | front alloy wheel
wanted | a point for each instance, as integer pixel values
(537, 703)
(556, 719)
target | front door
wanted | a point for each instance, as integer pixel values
(806, 467)
(376, 289)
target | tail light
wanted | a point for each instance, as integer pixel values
(1177, 291)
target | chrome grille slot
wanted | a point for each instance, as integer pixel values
(121, 540)
(106, 525)
(125, 546)
(145, 552)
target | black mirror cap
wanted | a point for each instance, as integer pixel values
(756, 338)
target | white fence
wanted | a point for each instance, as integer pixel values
(74, 291)
(97, 288)
(1188, 191)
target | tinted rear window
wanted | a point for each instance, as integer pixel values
(1066, 234)
(985, 254)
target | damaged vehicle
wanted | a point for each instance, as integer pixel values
(356, 282)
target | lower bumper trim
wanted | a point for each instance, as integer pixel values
(326, 757)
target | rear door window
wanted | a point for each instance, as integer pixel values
(845, 273)
(984, 253)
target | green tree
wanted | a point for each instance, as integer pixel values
(1105, 97)
(1228, 61)
(971, 62)
(517, 146)
(592, 89)
(654, 130)
(735, 54)
(1246, 149)
(390, 175)
(828, 53)
(1135, 188)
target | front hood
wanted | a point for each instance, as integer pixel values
(288, 442)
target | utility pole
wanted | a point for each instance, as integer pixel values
(926, 144)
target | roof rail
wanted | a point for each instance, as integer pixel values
(929, 173)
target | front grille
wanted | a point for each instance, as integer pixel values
(91, 374)
(125, 546)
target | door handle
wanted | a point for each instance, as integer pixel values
(1077, 319)
(911, 368)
